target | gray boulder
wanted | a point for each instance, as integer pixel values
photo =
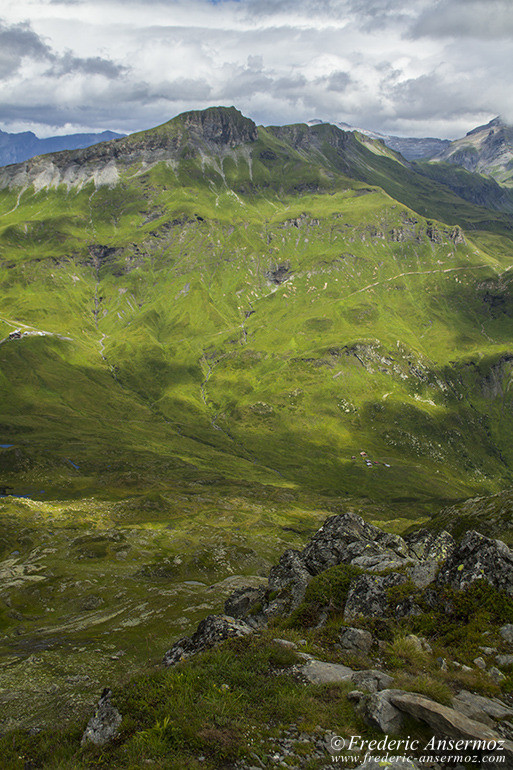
(507, 632)
(320, 672)
(504, 660)
(103, 726)
(479, 558)
(378, 710)
(423, 573)
(372, 680)
(481, 709)
(442, 719)
(213, 630)
(355, 640)
(368, 595)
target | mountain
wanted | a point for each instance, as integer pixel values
(213, 335)
(486, 150)
(15, 148)
(411, 148)
(226, 291)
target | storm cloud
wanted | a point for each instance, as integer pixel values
(413, 67)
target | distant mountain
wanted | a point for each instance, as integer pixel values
(411, 148)
(486, 150)
(16, 148)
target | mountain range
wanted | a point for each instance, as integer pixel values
(411, 148)
(237, 290)
(15, 148)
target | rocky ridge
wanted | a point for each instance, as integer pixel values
(419, 564)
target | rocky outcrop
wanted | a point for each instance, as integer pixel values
(371, 680)
(221, 125)
(479, 558)
(213, 630)
(394, 571)
(348, 539)
(103, 726)
(216, 131)
(481, 709)
(449, 722)
(369, 596)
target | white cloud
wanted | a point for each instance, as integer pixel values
(393, 65)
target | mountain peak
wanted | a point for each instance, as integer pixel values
(497, 122)
(221, 125)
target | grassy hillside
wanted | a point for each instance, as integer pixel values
(202, 328)
(209, 314)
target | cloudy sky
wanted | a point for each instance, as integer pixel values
(410, 67)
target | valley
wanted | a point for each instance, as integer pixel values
(205, 329)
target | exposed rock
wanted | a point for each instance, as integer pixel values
(279, 274)
(290, 578)
(418, 643)
(480, 663)
(504, 660)
(103, 726)
(319, 672)
(506, 632)
(428, 545)
(347, 537)
(355, 640)
(423, 573)
(285, 643)
(240, 602)
(496, 675)
(488, 650)
(481, 709)
(371, 680)
(213, 630)
(378, 710)
(442, 719)
(368, 595)
(479, 558)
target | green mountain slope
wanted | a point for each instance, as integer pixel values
(210, 300)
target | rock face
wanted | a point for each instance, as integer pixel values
(368, 596)
(506, 632)
(371, 680)
(241, 601)
(225, 126)
(213, 630)
(479, 558)
(103, 726)
(217, 130)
